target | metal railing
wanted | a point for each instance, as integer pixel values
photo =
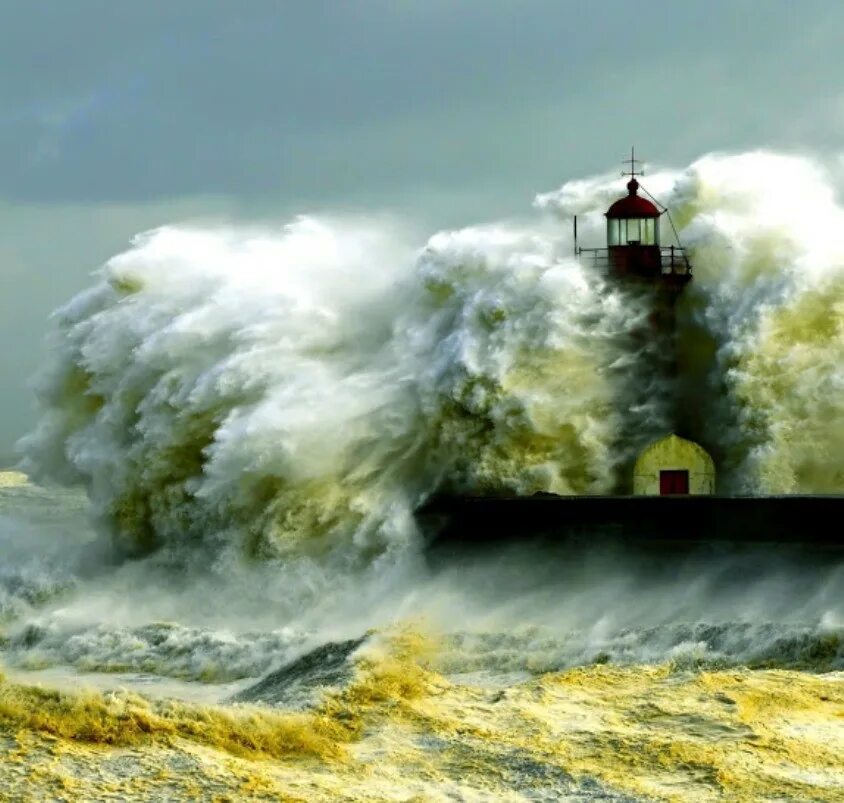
(673, 259)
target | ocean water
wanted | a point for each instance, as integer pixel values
(522, 674)
(213, 587)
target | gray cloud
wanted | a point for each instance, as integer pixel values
(134, 101)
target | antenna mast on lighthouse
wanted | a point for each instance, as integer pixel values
(632, 161)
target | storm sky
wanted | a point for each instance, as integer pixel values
(119, 116)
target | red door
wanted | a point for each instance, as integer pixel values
(673, 482)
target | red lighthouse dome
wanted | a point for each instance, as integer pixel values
(632, 220)
(632, 205)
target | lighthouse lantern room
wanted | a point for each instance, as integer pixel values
(632, 220)
(633, 248)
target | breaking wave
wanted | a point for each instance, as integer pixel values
(298, 392)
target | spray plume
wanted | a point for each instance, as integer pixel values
(299, 392)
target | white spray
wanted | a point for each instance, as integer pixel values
(300, 392)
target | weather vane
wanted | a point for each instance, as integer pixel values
(632, 161)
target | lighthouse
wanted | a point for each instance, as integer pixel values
(635, 258)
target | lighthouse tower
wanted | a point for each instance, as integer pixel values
(635, 257)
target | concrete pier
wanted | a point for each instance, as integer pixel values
(815, 520)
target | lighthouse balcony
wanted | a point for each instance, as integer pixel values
(640, 261)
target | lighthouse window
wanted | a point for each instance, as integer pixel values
(648, 231)
(633, 230)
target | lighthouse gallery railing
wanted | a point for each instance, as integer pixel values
(673, 259)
